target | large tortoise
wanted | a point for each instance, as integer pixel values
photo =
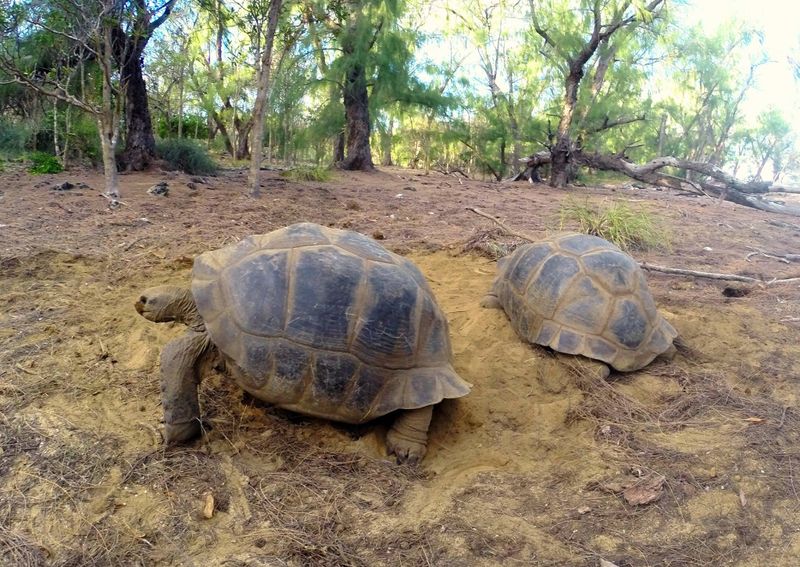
(316, 320)
(580, 294)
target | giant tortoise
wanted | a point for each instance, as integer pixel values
(580, 294)
(319, 321)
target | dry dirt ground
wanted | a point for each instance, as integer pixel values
(689, 462)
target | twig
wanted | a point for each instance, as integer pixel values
(785, 258)
(501, 225)
(131, 243)
(708, 275)
(25, 370)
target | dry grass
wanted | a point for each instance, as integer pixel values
(315, 499)
(493, 243)
(19, 551)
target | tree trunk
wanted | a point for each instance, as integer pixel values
(108, 122)
(662, 134)
(260, 107)
(140, 144)
(386, 143)
(562, 149)
(356, 104)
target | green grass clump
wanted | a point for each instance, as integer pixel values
(307, 173)
(628, 228)
(42, 162)
(186, 155)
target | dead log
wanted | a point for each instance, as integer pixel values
(714, 183)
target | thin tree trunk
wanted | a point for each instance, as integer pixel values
(662, 135)
(56, 149)
(257, 140)
(108, 122)
(386, 143)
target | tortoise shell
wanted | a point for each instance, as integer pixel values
(326, 322)
(580, 294)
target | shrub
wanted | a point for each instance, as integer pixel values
(307, 173)
(14, 136)
(628, 228)
(186, 155)
(44, 163)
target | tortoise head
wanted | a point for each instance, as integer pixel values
(167, 303)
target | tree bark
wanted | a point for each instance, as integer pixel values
(356, 103)
(260, 107)
(140, 144)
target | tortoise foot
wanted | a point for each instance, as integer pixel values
(407, 440)
(406, 451)
(176, 433)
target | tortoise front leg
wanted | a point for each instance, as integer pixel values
(180, 377)
(408, 438)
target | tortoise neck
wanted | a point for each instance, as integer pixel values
(185, 311)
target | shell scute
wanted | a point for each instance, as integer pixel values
(324, 282)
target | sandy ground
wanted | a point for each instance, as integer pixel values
(542, 464)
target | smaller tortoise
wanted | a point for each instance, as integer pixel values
(316, 320)
(580, 294)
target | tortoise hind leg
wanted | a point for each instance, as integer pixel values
(408, 438)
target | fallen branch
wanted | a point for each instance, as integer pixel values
(713, 182)
(785, 258)
(508, 230)
(654, 267)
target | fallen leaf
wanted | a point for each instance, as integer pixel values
(646, 491)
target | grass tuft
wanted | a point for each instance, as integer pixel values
(307, 173)
(628, 228)
(186, 155)
(42, 162)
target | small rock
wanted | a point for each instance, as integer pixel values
(584, 510)
(378, 235)
(160, 188)
(604, 563)
(191, 185)
(208, 506)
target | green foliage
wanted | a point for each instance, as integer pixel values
(194, 126)
(307, 173)
(14, 136)
(84, 139)
(186, 155)
(42, 162)
(628, 228)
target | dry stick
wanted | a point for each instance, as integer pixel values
(653, 267)
(509, 231)
(785, 258)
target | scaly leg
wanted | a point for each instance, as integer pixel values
(180, 377)
(408, 438)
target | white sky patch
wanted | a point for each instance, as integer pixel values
(780, 21)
